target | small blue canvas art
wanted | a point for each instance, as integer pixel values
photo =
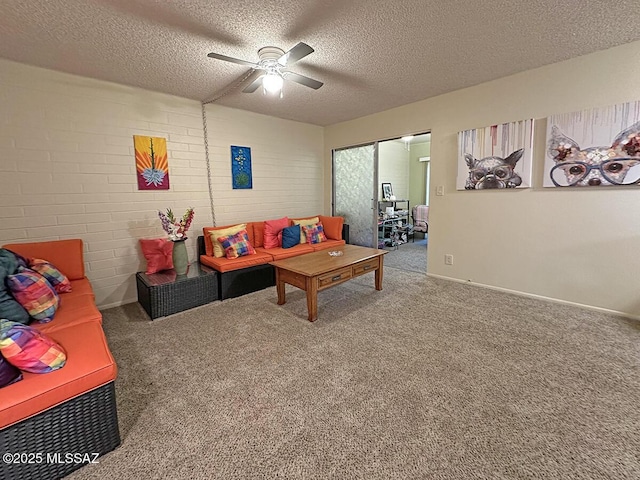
(241, 167)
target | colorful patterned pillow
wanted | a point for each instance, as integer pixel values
(237, 245)
(55, 277)
(158, 253)
(314, 233)
(28, 349)
(304, 222)
(290, 236)
(34, 293)
(218, 249)
(8, 373)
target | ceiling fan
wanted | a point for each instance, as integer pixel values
(273, 66)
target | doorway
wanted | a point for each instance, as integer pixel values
(358, 175)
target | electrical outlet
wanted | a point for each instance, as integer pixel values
(448, 259)
(440, 190)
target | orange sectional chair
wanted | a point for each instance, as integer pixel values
(250, 273)
(73, 409)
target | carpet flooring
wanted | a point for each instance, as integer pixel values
(410, 256)
(426, 379)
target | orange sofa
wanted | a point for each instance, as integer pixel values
(73, 409)
(250, 273)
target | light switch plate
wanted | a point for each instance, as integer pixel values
(440, 190)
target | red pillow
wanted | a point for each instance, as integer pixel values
(273, 232)
(159, 254)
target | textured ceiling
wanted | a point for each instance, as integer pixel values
(372, 55)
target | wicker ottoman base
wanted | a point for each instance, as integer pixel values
(246, 280)
(166, 293)
(62, 439)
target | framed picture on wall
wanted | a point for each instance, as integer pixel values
(152, 164)
(596, 147)
(241, 175)
(497, 156)
(387, 191)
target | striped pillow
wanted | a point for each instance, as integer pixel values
(34, 293)
(26, 348)
(236, 245)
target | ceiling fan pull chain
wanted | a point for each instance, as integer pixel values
(206, 156)
(230, 88)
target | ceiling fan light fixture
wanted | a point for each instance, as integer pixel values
(272, 83)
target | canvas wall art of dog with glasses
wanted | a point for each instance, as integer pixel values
(618, 164)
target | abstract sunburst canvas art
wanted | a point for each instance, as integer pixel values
(152, 164)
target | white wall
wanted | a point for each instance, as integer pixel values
(576, 246)
(287, 166)
(393, 168)
(418, 173)
(67, 168)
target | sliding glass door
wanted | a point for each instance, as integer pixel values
(354, 192)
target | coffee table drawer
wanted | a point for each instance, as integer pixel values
(334, 277)
(365, 267)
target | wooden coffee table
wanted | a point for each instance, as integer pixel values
(313, 272)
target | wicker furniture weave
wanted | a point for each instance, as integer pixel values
(83, 425)
(165, 293)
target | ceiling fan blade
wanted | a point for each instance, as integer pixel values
(232, 60)
(253, 86)
(301, 50)
(301, 79)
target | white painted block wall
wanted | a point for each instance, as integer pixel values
(393, 168)
(287, 162)
(67, 168)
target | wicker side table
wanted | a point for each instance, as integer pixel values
(165, 293)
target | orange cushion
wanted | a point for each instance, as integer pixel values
(66, 255)
(89, 365)
(223, 264)
(282, 253)
(251, 226)
(332, 226)
(328, 244)
(258, 234)
(82, 286)
(75, 308)
(209, 247)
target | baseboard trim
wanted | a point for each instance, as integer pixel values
(539, 297)
(457, 280)
(117, 304)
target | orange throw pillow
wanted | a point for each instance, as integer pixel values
(332, 226)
